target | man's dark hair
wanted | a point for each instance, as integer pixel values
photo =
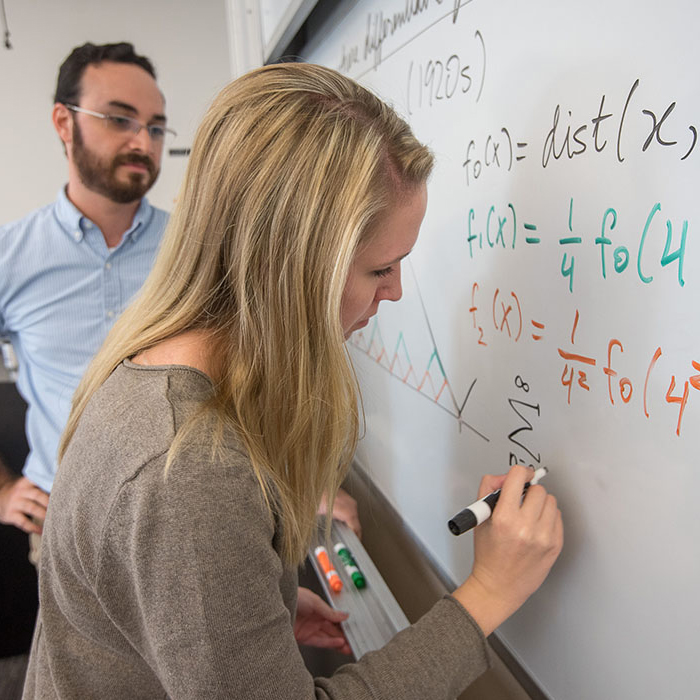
(71, 71)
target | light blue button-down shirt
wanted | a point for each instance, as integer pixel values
(61, 290)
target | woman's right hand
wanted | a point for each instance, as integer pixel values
(513, 550)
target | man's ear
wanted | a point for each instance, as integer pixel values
(63, 123)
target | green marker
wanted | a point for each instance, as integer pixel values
(350, 565)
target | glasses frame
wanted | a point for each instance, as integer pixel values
(135, 125)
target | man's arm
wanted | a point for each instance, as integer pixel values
(21, 501)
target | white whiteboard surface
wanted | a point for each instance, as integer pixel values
(551, 311)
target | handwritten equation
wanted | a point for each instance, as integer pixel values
(569, 138)
(505, 316)
(659, 243)
(521, 437)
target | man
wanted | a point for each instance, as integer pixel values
(67, 270)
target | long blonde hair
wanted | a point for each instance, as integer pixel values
(289, 168)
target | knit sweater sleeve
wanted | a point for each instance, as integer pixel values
(190, 572)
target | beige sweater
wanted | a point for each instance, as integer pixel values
(156, 587)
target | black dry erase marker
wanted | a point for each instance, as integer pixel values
(477, 512)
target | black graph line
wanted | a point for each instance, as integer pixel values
(432, 339)
(458, 410)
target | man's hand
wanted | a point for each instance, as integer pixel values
(344, 509)
(20, 501)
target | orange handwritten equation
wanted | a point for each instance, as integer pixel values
(623, 387)
(507, 320)
(506, 316)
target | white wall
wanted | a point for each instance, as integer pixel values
(187, 42)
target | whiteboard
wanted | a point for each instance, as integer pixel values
(550, 311)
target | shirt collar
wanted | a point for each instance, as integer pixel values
(141, 219)
(76, 224)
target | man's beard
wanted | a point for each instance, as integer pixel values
(101, 177)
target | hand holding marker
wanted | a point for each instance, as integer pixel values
(481, 510)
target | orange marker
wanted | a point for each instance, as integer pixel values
(331, 574)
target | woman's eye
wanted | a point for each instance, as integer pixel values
(383, 273)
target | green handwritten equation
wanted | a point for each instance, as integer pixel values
(659, 243)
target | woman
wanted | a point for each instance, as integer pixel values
(223, 406)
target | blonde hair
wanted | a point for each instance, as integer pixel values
(289, 168)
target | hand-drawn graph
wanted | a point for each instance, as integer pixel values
(427, 375)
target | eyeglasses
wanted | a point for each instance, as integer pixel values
(122, 124)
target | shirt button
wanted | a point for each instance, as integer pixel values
(108, 265)
(77, 235)
(110, 314)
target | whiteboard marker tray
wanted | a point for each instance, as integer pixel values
(375, 616)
